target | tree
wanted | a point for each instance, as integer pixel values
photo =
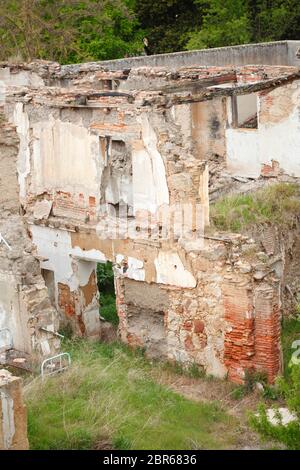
(68, 30)
(224, 23)
(274, 19)
(167, 22)
(229, 22)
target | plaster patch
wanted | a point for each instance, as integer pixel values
(170, 270)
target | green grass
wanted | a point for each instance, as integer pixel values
(109, 394)
(278, 204)
(290, 333)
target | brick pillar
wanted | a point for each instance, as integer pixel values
(267, 330)
(13, 415)
(239, 337)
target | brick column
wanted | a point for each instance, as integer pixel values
(267, 330)
(239, 337)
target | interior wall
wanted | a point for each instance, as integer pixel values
(277, 138)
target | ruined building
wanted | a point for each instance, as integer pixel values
(120, 161)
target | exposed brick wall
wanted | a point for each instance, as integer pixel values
(229, 324)
(252, 340)
(76, 207)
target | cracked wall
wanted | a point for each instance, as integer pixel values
(13, 414)
(24, 303)
(108, 159)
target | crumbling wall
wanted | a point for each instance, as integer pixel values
(107, 163)
(228, 324)
(267, 151)
(13, 415)
(24, 303)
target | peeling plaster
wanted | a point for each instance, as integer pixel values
(78, 170)
(20, 119)
(150, 189)
(170, 270)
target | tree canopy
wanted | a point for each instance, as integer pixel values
(82, 30)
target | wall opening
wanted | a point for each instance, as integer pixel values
(147, 306)
(116, 183)
(107, 295)
(48, 276)
(244, 111)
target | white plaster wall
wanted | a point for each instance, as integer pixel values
(65, 157)
(7, 419)
(21, 121)
(243, 153)
(55, 247)
(135, 268)
(150, 189)
(170, 270)
(278, 139)
(21, 78)
(11, 316)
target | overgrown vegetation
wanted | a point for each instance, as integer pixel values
(278, 204)
(68, 31)
(105, 281)
(81, 30)
(109, 395)
(288, 387)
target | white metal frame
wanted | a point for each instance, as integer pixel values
(50, 364)
(2, 239)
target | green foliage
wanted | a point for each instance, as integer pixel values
(167, 22)
(224, 23)
(252, 377)
(279, 203)
(108, 309)
(109, 394)
(288, 387)
(229, 22)
(105, 277)
(68, 31)
(66, 330)
(290, 333)
(274, 19)
(82, 30)
(238, 392)
(105, 281)
(289, 435)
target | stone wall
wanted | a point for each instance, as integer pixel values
(24, 302)
(13, 415)
(229, 324)
(118, 165)
(272, 53)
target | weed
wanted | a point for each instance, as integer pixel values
(109, 393)
(288, 387)
(279, 203)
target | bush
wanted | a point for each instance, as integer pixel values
(288, 387)
(105, 281)
(105, 277)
